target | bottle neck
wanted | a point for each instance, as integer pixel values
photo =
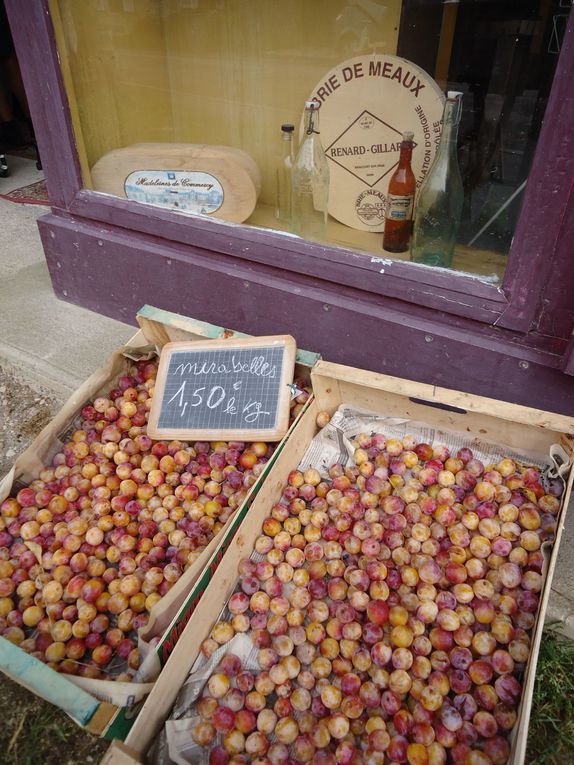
(311, 121)
(287, 144)
(406, 153)
(450, 122)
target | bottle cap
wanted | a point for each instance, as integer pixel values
(313, 103)
(454, 94)
(408, 135)
(287, 128)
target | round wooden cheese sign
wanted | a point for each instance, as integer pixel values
(366, 104)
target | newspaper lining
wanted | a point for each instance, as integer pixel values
(333, 444)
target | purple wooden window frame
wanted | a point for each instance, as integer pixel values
(534, 297)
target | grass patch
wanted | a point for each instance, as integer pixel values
(551, 731)
(37, 733)
(39, 736)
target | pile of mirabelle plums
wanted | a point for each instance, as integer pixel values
(391, 611)
(91, 545)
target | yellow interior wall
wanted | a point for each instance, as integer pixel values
(238, 69)
(118, 83)
(206, 71)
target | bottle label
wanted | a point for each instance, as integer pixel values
(400, 207)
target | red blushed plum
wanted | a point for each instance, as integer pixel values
(230, 665)
(444, 737)
(460, 753)
(124, 648)
(397, 749)
(393, 580)
(101, 654)
(95, 639)
(238, 603)
(378, 612)
(318, 588)
(502, 662)
(430, 572)
(508, 689)
(403, 722)
(250, 585)
(505, 715)
(261, 638)
(390, 702)
(245, 681)
(318, 709)
(485, 724)
(461, 658)
(486, 509)
(224, 719)
(497, 749)
(465, 455)
(337, 589)
(423, 451)
(528, 601)
(392, 505)
(481, 672)
(372, 633)
(218, 756)
(456, 573)
(370, 695)
(460, 681)
(441, 639)
(346, 753)
(423, 734)
(75, 649)
(467, 734)
(350, 684)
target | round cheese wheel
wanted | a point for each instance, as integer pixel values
(218, 181)
(367, 103)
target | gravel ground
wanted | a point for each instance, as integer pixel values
(24, 411)
(33, 732)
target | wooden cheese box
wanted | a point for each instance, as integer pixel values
(88, 710)
(219, 181)
(509, 425)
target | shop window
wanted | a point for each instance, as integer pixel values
(152, 77)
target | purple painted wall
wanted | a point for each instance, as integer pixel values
(114, 272)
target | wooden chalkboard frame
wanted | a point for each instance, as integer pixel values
(238, 434)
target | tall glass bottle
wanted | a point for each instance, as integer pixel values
(400, 201)
(439, 205)
(310, 180)
(283, 175)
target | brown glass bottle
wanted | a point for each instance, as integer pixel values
(400, 198)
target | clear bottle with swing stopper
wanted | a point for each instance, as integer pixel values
(310, 180)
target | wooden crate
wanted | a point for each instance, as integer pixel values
(509, 425)
(157, 328)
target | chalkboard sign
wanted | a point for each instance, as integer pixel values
(223, 389)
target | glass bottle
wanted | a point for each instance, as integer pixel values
(439, 205)
(283, 175)
(400, 199)
(310, 180)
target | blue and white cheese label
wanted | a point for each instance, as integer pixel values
(193, 192)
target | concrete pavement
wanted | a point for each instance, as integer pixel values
(48, 347)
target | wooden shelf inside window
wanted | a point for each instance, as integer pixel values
(470, 260)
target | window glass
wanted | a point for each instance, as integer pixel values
(180, 103)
